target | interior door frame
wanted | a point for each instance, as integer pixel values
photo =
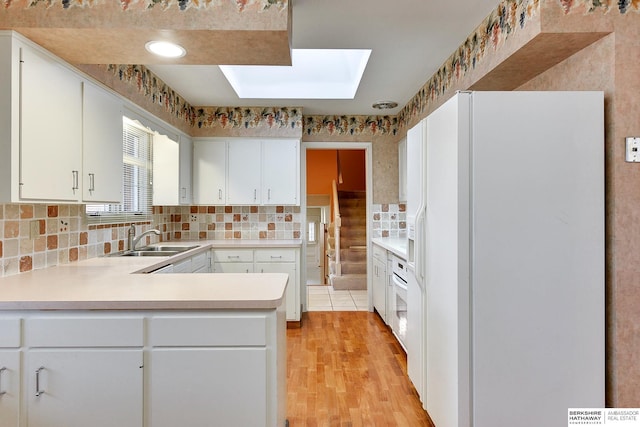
(337, 145)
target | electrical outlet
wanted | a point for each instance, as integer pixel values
(633, 149)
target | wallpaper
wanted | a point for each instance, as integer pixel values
(506, 20)
(241, 5)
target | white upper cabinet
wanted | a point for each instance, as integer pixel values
(101, 145)
(402, 170)
(280, 172)
(186, 160)
(243, 173)
(166, 171)
(238, 171)
(209, 172)
(51, 128)
(60, 134)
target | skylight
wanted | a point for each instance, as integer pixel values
(314, 74)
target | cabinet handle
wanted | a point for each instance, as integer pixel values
(233, 257)
(92, 182)
(276, 257)
(262, 270)
(219, 193)
(269, 194)
(4, 368)
(247, 270)
(255, 195)
(74, 174)
(38, 391)
(184, 192)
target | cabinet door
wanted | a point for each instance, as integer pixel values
(402, 170)
(51, 129)
(243, 175)
(208, 386)
(79, 388)
(233, 267)
(292, 304)
(9, 387)
(166, 171)
(186, 161)
(280, 172)
(101, 146)
(380, 287)
(209, 172)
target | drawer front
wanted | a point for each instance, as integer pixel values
(276, 255)
(199, 261)
(10, 333)
(233, 255)
(183, 266)
(207, 331)
(83, 332)
(233, 267)
(379, 253)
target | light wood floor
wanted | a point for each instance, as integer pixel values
(346, 369)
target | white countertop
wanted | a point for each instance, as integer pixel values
(110, 283)
(397, 245)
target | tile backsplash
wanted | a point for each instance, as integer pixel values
(228, 222)
(389, 220)
(35, 236)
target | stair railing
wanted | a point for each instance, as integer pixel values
(337, 223)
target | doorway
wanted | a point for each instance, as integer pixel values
(335, 166)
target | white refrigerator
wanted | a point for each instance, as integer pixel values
(506, 249)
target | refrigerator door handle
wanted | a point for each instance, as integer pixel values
(420, 260)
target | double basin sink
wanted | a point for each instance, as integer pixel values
(168, 250)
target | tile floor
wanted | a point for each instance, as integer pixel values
(325, 298)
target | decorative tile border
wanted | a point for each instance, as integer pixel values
(182, 5)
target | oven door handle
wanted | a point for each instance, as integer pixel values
(399, 282)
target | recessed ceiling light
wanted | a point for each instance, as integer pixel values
(385, 105)
(314, 74)
(165, 49)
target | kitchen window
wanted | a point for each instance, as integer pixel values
(137, 178)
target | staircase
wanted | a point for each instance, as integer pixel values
(353, 242)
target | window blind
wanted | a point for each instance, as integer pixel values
(137, 168)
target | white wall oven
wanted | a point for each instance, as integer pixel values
(399, 301)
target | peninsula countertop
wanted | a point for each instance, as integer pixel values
(119, 283)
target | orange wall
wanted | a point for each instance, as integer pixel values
(353, 172)
(322, 168)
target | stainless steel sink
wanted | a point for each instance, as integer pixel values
(166, 248)
(148, 253)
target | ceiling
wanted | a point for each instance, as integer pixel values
(410, 40)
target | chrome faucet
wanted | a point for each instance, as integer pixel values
(133, 240)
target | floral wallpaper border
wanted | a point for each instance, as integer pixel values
(182, 5)
(509, 17)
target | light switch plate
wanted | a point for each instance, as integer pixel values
(632, 149)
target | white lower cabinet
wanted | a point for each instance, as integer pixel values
(10, 369)
(379, 282)
(9, 387)
(82, 387)
(201, 387)
(265, 260)
(78, 368)
(143, 369)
